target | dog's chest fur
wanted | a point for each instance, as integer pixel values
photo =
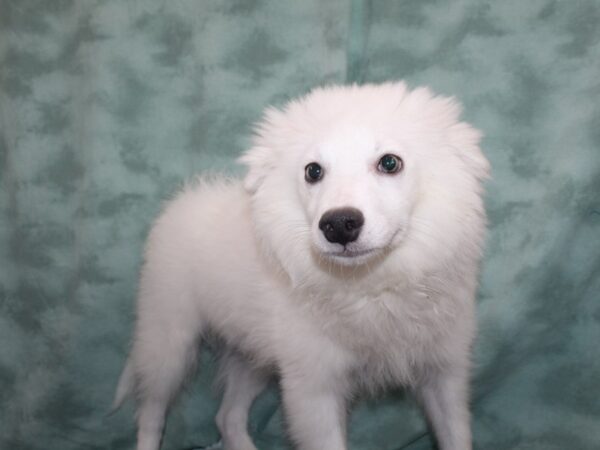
(392, 334)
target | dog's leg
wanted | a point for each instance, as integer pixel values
(444, 396)
(164, 354)
(315, 405)
(316, 414)
(242, 386)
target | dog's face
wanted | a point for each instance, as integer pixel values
(357, 191)
(348, 175)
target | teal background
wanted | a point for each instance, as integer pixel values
(106, 107)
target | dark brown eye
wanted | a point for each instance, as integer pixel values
(313, 172)
(390, 164)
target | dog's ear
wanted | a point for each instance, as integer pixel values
(467, 140)
(259, 161)
(477, 162)
(261, 158)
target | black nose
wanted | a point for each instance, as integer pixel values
(341, 225)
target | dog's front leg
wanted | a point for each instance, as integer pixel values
(315, 409)
(444, 396)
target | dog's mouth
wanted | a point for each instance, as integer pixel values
(354, 253)
(351, 257)
(350, 253)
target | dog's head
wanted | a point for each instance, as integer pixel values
(349, 175)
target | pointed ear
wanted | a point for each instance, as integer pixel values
(477, 162)
(259, 161)
(466, 140)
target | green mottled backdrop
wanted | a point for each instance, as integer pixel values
(107, 106)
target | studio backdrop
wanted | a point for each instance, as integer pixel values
(108, 107)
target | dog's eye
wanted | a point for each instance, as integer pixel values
(390, 164)
(313, 172)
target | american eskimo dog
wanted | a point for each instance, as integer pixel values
(346, 260)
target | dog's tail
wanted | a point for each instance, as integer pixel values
(125, 386)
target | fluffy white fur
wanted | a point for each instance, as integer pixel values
(248, 263)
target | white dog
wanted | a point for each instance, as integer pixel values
(345, 261)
